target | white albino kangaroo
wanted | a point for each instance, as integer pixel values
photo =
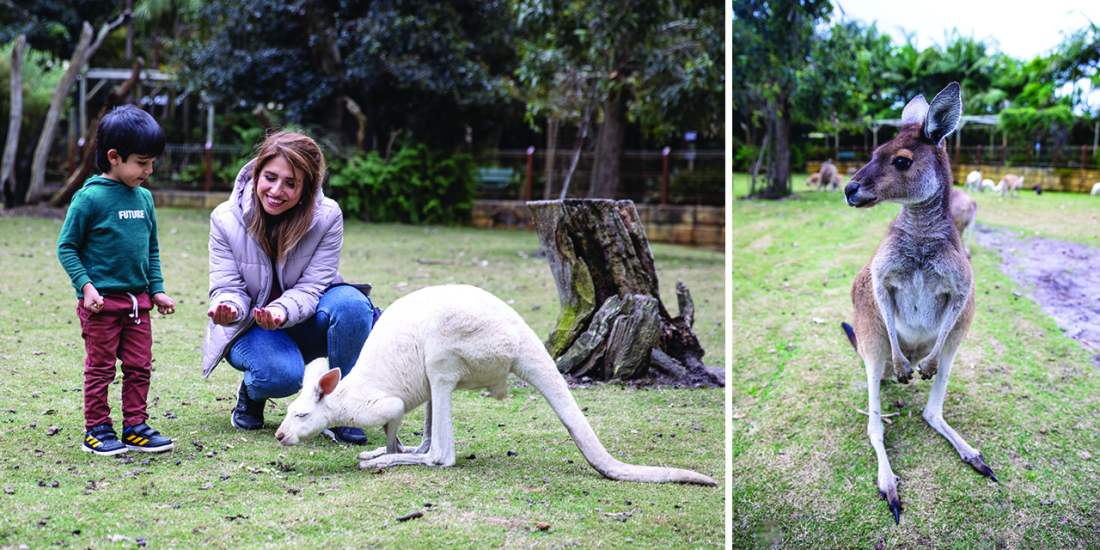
(974, 180)
(428, 344)
(915, 298)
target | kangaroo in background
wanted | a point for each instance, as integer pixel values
(826, 177)
(429, 343)
(964, 212)
(974, 181)
(1010, 185)
(915, 299)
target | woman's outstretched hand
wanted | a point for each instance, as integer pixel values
(222, 314)
(269, 318)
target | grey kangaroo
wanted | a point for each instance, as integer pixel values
(915, 299)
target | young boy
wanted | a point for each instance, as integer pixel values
(108, 246)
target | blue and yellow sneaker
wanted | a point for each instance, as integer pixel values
(102, 440)
(145, 439)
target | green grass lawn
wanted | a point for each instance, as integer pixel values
(1024, 394)
(225, 488)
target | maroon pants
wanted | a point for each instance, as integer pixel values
(115, 332)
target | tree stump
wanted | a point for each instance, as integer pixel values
(612, 323)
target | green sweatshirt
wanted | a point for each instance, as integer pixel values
(109, 239)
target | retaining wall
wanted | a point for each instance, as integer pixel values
(690, 225)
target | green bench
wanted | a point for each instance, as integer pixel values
(497, 178)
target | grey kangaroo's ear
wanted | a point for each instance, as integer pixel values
(915, 111)
(944, 113)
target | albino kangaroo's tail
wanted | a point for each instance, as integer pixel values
(537, 368)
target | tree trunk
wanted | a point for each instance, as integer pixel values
(609, 146)
(612, 324)
(759, 160)
(551, 155)
(360, 122)
(84, 50)
(87, 155)
(15, 120)
(779, 158)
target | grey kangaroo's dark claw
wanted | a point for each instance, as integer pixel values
(978, 463)
(895, 504)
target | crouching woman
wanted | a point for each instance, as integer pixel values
(276, 298)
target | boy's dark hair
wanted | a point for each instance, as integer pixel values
(130, 131)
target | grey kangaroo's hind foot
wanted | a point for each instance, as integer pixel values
(891, 498)
(978, 463)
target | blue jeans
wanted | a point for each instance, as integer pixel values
(273, 361)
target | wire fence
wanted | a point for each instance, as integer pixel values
(1068, 156)
(692, 177)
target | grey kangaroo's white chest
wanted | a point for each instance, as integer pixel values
(920, 299)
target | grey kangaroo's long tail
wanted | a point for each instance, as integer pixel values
(537, 368)
(851, 333)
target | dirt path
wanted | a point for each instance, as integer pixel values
(1062, 277)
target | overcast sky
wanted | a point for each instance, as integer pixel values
(1020, 29)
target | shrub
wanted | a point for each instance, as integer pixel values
(701, 186)
(415, 185)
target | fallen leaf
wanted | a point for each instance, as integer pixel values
(542, 526)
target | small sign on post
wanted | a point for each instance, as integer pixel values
(664, 175)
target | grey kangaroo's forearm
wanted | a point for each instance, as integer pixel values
(885, 302)
(950, 319)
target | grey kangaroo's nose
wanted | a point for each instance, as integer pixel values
(851, 189)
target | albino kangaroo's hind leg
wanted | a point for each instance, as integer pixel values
(442, 447)
(887, 481)
(933, 415)
(396, 447)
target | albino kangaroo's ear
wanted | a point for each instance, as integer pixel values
(944, 113)
(314, 370)
(328, 381)
(915, 111)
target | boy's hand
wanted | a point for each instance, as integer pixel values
(165, 304)
(93, 302)
(222, 314)
(269, 318)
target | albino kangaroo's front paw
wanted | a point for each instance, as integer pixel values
(928, 367)
(888, 490)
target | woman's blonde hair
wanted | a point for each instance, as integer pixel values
(279, 234)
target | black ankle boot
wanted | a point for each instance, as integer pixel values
(249, 413)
